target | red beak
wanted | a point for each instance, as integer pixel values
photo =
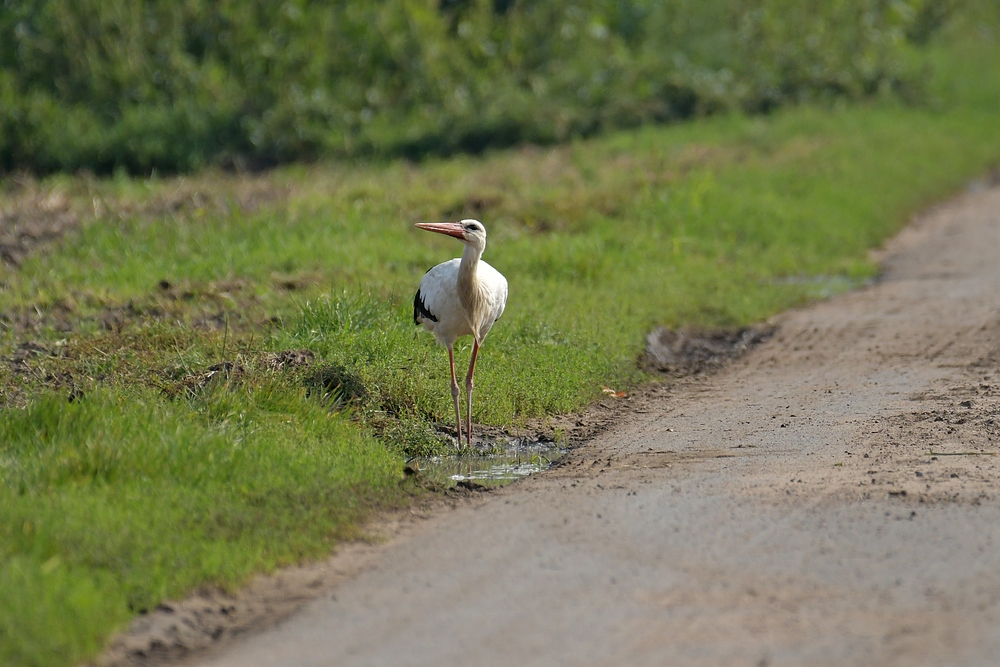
(449, 228)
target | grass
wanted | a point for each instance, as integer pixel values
(117, 501)
(192, 452)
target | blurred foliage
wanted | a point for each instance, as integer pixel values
(177, 84)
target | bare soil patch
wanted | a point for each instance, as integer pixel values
(32, 222)
(690, 351)
(33, 217)
(947, 450)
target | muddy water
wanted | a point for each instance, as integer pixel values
(501, 462)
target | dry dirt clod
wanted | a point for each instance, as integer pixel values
(470, 486)
(690, 351)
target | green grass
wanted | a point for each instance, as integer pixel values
(119, 500)
(161, 476)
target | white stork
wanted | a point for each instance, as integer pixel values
(461, 297)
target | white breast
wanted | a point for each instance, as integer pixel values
(438, 294)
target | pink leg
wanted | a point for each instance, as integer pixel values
(468, 393)
(454, 397)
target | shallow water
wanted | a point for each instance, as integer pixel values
(501, 462)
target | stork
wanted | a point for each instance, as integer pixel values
(460, 297)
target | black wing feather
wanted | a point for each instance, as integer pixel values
(420, 310)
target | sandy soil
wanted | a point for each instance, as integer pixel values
(831, 498)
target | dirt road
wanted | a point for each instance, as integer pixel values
(784, 511)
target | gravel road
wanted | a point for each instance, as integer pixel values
(829, 499)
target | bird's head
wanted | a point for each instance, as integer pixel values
(470, 232)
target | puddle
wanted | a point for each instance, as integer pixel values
(505, 461)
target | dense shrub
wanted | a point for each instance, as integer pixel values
(175, 84)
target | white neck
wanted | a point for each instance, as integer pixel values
(469, 292)
(470, 262)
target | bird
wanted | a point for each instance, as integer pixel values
(461, 297)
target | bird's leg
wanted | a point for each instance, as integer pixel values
(454, 397)
(468, 393)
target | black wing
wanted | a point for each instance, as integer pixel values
(420, 310)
